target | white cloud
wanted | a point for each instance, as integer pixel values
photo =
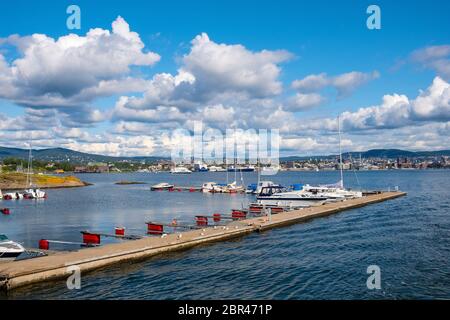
(304, 101)
(68, 73)
(434, 103)
(216, 83)
(222, 67)
(395, 111)
(344, 83)
(436, 58)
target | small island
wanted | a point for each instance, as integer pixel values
(14, 181)
(130, 182)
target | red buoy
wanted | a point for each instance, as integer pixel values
(90, 238)
(201, 220)
(238, 214)
(120, 231)
(44, 244)
(5, 210)
(154, 228)
(216, 217)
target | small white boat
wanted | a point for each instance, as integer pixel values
(233, 188)
(161, 186)
(210, 187)
(35, 194)
(216, 169)
(278, 196)
(180, 170)
(9, 250)
(13, 196)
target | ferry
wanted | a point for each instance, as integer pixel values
(180, 170)
(241, 169)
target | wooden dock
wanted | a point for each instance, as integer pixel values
(15, 274)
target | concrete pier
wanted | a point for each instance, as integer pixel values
(15, 274)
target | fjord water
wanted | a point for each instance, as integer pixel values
(326, 258)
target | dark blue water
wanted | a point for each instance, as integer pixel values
(327, 258)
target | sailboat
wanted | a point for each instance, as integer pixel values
(32, 192)
(335, 191)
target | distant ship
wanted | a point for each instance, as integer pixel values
(180, 170)
(241, 169)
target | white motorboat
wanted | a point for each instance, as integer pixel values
(180, 170)
(200, 167)
(212, 187)
(270, 171)
(13, 196)
(161, 186)
(256, 188)
(333, 191)
(34, 194)
(336, 191)
(279, 196)
(9, 250)
(216, 169)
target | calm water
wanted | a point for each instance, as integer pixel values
(327, 258)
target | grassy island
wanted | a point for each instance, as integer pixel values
(11, 181)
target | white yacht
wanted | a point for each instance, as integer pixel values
(161, 186)
(256, 188)
(336, 191)
(279, 196)
(9, 250)
(333, 191)
(180, 170)
(212, 187)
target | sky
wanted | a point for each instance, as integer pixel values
(137, 71)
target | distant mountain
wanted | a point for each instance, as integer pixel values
(62, 154)
(377, 153)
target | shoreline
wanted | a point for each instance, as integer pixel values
(18, 181)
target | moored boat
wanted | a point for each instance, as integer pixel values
(162, 186)
(279, 196)
(9, 250)
(180, 170)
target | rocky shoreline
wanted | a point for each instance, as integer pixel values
(17, 181)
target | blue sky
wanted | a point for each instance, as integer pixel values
(322, 37)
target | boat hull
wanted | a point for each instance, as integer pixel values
(290, 202)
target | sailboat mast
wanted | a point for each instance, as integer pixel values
(340, 152)
(30, 166)
(258, 168)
